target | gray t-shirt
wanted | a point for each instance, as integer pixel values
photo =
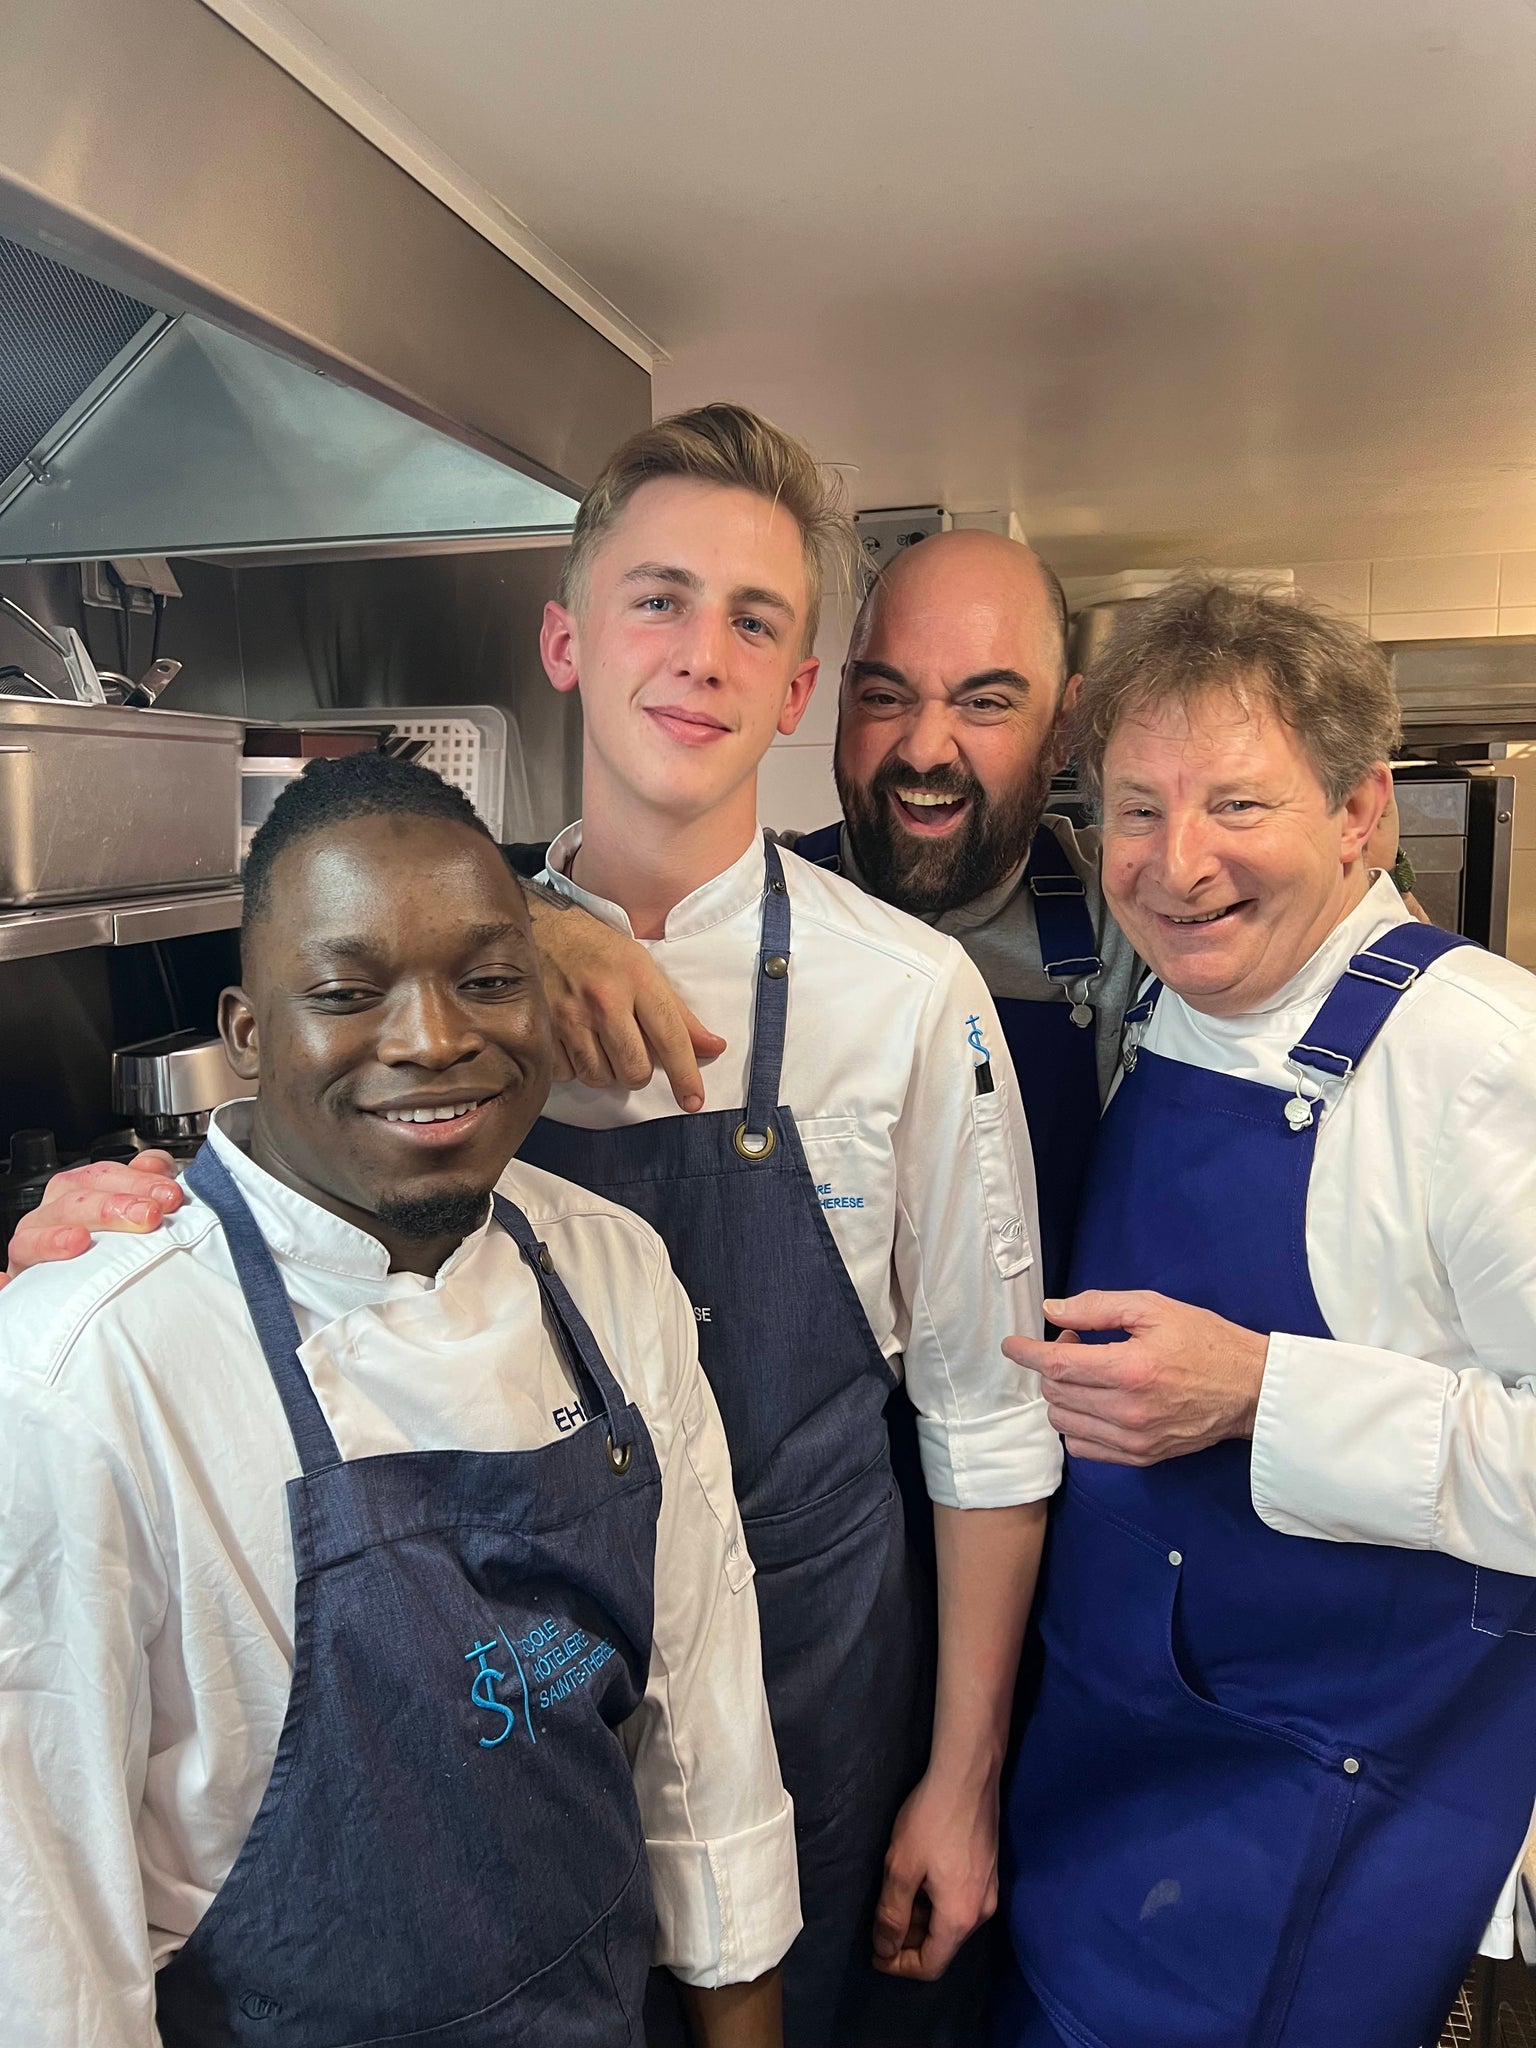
(998, 931)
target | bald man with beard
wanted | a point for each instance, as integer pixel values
(954, 695)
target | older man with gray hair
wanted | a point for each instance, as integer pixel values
(1282, 1761)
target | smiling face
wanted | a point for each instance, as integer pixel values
(393, 1015)
(688, 650)
(1225, 862)
(946, 725)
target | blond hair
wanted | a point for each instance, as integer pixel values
(1321, 676)
(723, 444)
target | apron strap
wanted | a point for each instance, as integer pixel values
(267, 1301)
(582, 1352)
(754, 1138)
(1068, 947)
(823, 848)
(1366, 994)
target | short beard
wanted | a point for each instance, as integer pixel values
(931, 876)
(449, 1212)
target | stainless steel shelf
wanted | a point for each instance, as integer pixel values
(125, 921)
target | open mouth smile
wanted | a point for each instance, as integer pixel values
(434, 1123)
(928, 812)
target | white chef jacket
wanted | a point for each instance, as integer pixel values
(1415, 1424)
(927, 1185)
(147, 1578)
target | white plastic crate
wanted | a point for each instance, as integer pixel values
(476, 747)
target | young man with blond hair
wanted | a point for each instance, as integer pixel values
(855, 1204)
(854, 1209)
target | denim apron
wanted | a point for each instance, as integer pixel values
(1273, 1785)
(449, 1853)
(802, 1388)
(1051, 1044)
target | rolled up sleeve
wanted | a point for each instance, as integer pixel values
(965, 1260)
(719, 1825)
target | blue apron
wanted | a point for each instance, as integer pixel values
(1272, 1785)
(803, 1389)
(449, 1853)
(1051, 1044)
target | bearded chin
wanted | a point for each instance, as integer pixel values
(930, 876)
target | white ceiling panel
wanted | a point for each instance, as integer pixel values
(1167, 277)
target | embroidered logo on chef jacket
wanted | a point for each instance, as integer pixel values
(572, 1416)
(974, 1038)
(829, 1198)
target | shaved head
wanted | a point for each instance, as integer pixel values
(948, 721)
(966, 568)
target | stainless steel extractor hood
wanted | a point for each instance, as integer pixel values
(242, 327)
(170, 435)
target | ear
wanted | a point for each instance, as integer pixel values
(801, 685)
(558, 645)
(237, 1028)
(1362, 812)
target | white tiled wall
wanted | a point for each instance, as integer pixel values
(1429, 597)
(795, 790)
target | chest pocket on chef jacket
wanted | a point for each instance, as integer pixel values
(853, 1193)
(1012, 1252)
(710, 1463)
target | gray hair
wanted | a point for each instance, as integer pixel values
(1330, 684)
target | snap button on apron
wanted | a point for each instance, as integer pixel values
(546, 1263)
(776, 968)
(1175, 1557)
(1351, 1765)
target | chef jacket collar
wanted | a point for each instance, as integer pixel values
(739, 887)
(300, 1231)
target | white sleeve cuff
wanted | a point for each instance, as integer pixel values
(727, 1910)
(994, 1461)
(1347, 1443)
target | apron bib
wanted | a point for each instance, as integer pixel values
(449, 1851)
(1051, 1044)
(1272, 1785)
(803, 1391)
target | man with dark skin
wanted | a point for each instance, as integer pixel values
(218, 1710)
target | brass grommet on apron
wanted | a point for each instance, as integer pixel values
(619, 1456)
(754, 1144)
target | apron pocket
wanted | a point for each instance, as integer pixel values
(776, 1541)
(1171, 1851)
(1503, 1603)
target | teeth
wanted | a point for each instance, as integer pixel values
(443, 1115)
(1210, 917)
(926, 799)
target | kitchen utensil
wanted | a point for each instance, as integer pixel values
(67, 648)
(167, 1088)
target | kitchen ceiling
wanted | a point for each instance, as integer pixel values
(1168, 278)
